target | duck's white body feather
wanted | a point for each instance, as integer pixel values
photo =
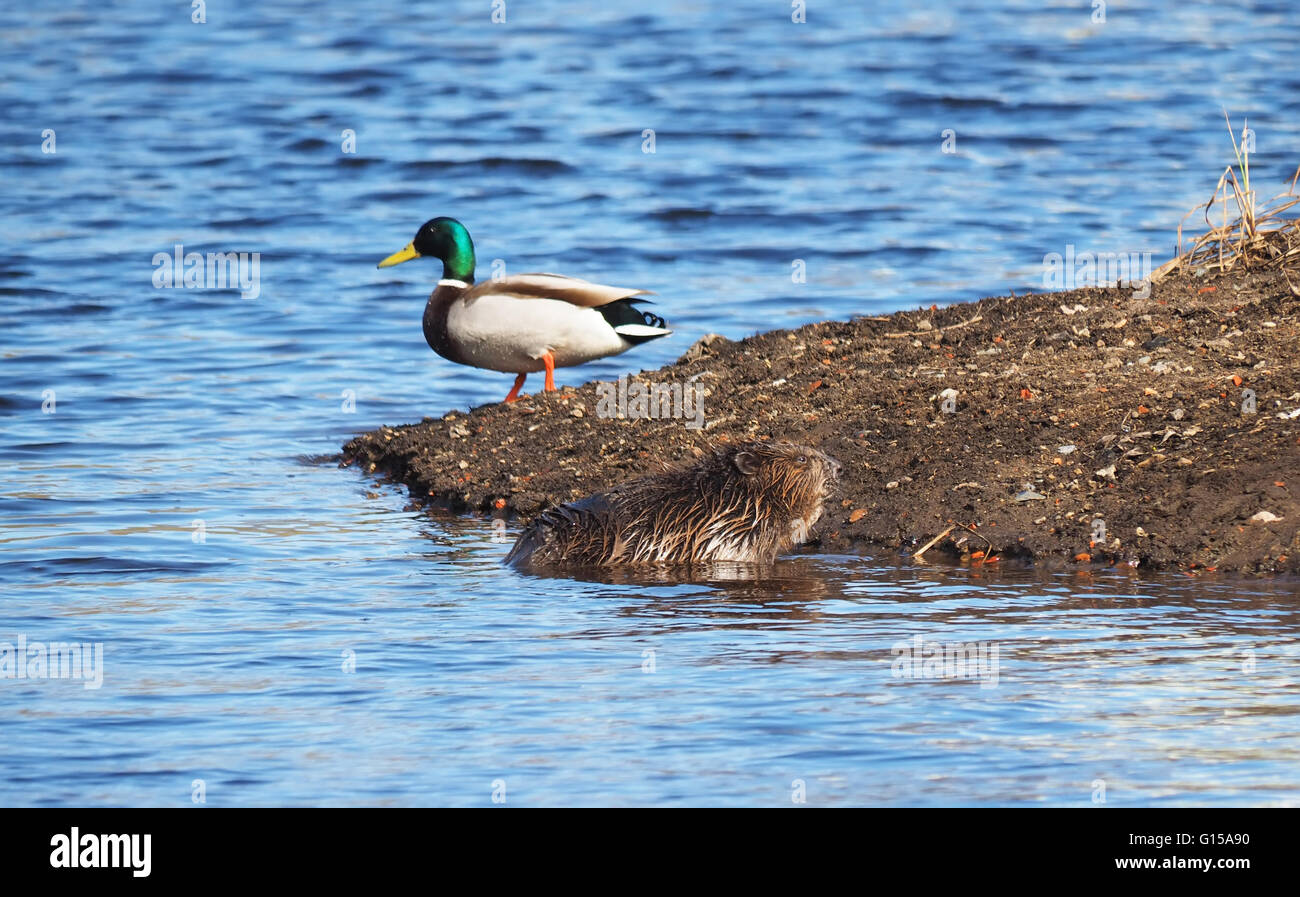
(507, 333)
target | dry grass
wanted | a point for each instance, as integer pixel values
(1249, 234)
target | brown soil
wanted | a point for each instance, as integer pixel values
(1149, 391)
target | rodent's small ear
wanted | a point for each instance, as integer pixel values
(747, 463)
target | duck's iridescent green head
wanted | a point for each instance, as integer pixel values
(440, 238)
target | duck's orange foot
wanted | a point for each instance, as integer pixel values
(549, 360)
(514, 393)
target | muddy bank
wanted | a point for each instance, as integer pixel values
(1069, 408)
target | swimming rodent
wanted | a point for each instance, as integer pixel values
(745, 503)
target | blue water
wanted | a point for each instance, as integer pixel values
(277, 630)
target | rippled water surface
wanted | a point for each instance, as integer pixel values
(167, 491)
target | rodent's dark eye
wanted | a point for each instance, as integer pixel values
(803, 459)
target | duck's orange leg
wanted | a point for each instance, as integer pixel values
(549, 360)
(514, 393)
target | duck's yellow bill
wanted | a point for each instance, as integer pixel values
(403, 255)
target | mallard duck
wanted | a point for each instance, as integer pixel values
(524, 323)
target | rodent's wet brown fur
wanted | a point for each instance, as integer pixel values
(745, 503)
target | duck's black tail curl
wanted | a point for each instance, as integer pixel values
(631, 323)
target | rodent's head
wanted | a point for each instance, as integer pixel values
(799, 475)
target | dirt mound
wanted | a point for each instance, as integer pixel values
(1087, 426)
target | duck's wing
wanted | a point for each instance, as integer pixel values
(582, 293)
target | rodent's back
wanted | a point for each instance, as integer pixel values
(743, 503)
(580, 533)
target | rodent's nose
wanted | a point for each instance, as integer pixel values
(836, 467)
